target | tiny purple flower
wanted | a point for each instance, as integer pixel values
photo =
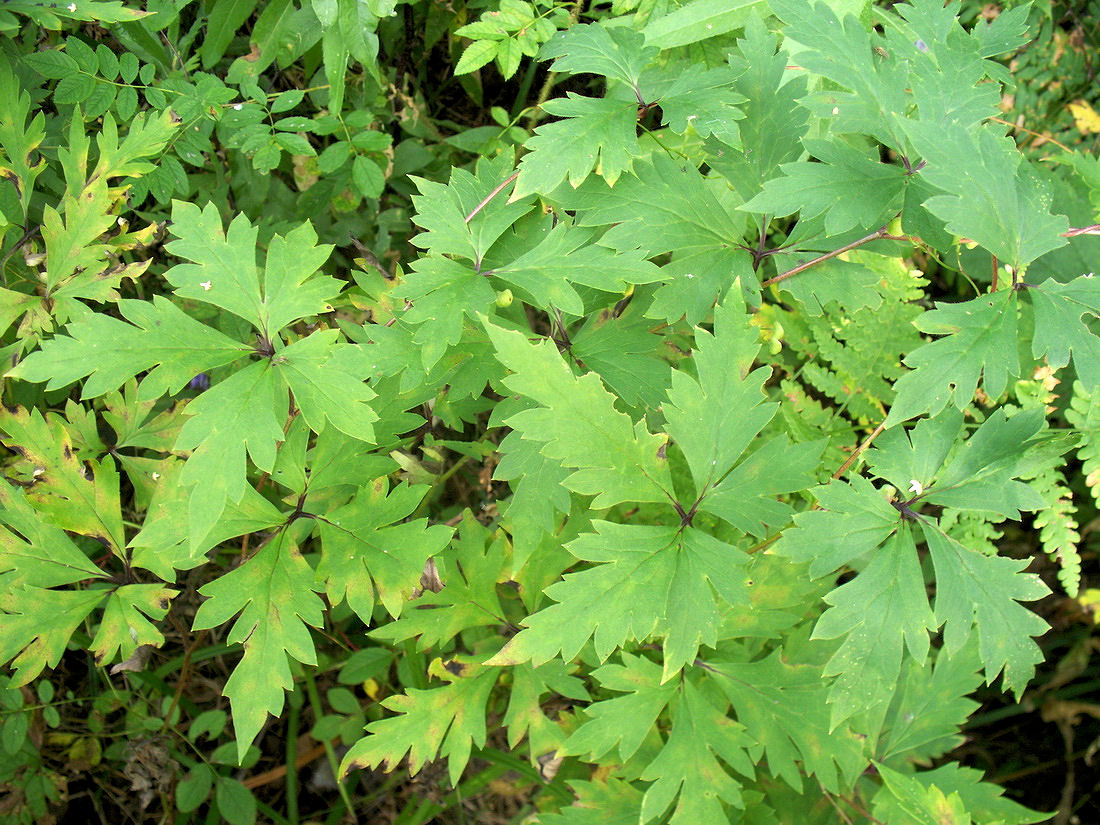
(921, 46)
(200, 382)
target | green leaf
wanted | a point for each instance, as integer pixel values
(699, 20)
(224, 20)
(621, 351)
(648, 581)
(614, 459)
(527, 717)
(918, 804)
(565, 257)
(224, 273)
(851, 190)
(617, 53)
(840, 49)
(714, 418)
(160, 339)
(442, 210)
(244, 413)
(983, 800)
(884, 606)
(689, 768)
(538, 494)
(74, 88)
(82, 497)
(468, 599)
(318, 370)
(595, 134)
(700, 99)
(981, 472)
(980, 341)
(368, 178)
(622, 722)
(194, 788)
(476, 55)
(33, 552)
(273, 592)
(442, 293)
(235, 802)
(371, 554)
(51, 63)
(976, 593)
(854, 518)
(991, 194)
(71, 248)
(614, 801)
(667, 206)
(932, 706)
(164, 543)
(748, 497)
(445, 721)
(1060, 331)
(783, 706)
(32, 638)
(125, 624)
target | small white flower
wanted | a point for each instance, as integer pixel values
(238, 106)
(916, 487)
(156, 476)
(206, 285)
(836, 110)
(72, 7)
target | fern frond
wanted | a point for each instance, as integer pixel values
(971, 529)
(854, 357)
(1058, 528)
(1084, 414)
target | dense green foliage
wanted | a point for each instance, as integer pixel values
(625, 405)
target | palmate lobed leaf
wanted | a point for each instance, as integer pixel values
(469, 575)
(273, 593)
(979, 594)
(880, 611)
(991, 195)
(614, 459)
(617, 53)
(70, 494)
(442, 209)
(371, 554)
(648, 581)
(447, 721)
(714, 417)
(160, 339)
(595, 134)
(564, 257)
(980, 342)
(223, 271)
(783, 707)
(851, 190)
(689, 769)
(1061, 328)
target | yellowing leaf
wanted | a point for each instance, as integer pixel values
(1085, 118)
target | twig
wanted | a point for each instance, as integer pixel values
(855, 453)
(1084, 230)
(879, 234)
(1045, 138)
(490, 196)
